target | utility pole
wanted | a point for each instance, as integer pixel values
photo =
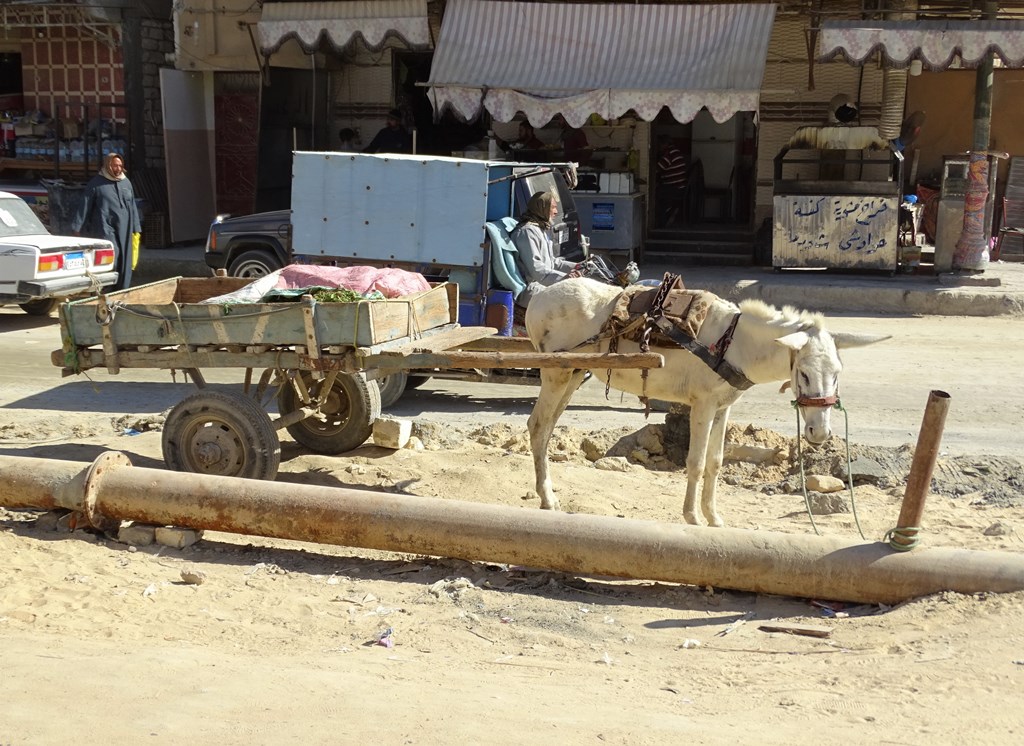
(971, 252)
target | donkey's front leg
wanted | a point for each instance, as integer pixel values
(700, 430)
(556, 389)
(712, 465)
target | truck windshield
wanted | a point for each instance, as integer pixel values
(17, 219)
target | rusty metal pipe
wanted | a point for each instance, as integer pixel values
(908, 527)
(757, 561)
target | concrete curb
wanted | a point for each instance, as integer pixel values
(923, 301)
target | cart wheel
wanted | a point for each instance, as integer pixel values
(219, 433)
(392, 387)
(351, 408)
(40, 307)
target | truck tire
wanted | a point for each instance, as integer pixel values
(392, 387)
(351, 409)
(221, 433)
(40, 307)
(254, 264)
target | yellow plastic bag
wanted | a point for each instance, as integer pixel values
(136, 240)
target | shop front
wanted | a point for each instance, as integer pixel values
(610, 86)
(967, 205)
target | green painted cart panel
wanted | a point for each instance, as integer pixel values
(169, 312)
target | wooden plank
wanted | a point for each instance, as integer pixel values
(452, 289)
(471, 360)
(370, 322)
(361, 323)
(154, 292)
(184, 358)
(309, 320)
(450, 338)
(501, 344)
(808, 630)
(196, 289)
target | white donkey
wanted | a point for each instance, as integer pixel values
(762, 343)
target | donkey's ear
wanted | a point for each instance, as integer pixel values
(845, 340)
(794, 341)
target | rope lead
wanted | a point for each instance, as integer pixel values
(849, 470)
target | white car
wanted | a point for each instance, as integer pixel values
(38, 270)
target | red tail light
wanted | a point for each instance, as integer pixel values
(51, 262)
(103, 257)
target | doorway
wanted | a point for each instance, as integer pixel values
(433, 137)
(293, 115)
(720, 162)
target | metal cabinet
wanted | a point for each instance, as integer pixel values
(614, 222)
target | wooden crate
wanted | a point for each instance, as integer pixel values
(169, 313)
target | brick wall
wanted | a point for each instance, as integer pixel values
(157, 44)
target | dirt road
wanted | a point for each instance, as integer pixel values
(286, 642)
(884, 387)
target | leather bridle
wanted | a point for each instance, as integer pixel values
(817, 401)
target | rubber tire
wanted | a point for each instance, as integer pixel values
(414, 382)
(234, 424)
(392, 387)
(351, 408)
(41, 307)
(254, 264)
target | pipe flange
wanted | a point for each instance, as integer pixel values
(90, 492)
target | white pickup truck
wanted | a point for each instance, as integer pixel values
(38, 270)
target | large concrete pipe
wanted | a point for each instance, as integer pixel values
(758, 561)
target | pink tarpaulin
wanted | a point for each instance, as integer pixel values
(390, 282)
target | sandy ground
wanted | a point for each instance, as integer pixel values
(282, 641)
(285, 642)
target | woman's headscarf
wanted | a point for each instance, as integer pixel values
(538, 210)
(105, 168)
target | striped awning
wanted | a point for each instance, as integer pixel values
(339, 23)
(576, 60)
(935, 43)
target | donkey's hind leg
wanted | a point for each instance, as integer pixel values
(556, 389)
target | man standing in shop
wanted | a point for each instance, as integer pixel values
(392, 138)
(671, 188)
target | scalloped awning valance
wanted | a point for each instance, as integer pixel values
(935, 43)
(581, 59)
(339, 23)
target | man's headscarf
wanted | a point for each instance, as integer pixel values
(105, 168)
(538, 210)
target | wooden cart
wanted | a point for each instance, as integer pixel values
(320, 361)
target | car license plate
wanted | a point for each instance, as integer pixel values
(75, 260)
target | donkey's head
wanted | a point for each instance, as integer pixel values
(814, 374)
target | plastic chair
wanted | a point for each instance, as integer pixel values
(1012, 224)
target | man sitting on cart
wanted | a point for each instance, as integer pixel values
(538, 263)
